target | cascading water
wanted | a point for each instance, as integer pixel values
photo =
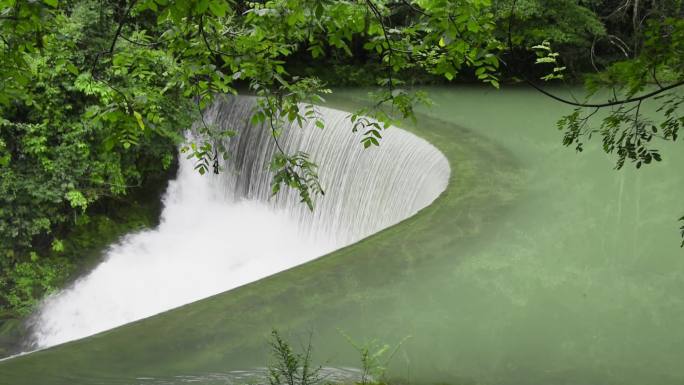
(218, 232)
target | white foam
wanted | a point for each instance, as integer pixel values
(220, 232)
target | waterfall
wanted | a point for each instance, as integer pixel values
(218, 232)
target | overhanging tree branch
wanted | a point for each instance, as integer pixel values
(615, 102)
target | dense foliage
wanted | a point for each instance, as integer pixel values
(67, 137)
(95, 96)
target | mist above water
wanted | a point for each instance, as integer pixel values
(218, 232)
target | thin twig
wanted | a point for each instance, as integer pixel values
(120, 27)
(378, 16)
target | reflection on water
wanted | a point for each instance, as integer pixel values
(258, 376)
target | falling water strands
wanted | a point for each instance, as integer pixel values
(218, 232)
(366, 189)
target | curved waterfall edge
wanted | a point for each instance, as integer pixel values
(348, 214)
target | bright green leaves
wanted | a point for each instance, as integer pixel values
(21, 286)
(545, 55)
(57, 245)
(117, 114)
(218, 7)
(441, 38)
(52, 3)
(456, 34)
(5, 156)
(487, 72)
(201, 6)
(77, 200)
(89, 86)
(139, 119)
(83, 125)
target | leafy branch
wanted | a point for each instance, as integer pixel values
(375, 358)
(624, 130)
(288, 104)
(290, 368)
(296, 171)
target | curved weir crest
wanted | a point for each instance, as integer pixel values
(218, 232)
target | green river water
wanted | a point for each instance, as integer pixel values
(537, 265)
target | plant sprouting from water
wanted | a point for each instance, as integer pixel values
(289, 367)
(375, 358)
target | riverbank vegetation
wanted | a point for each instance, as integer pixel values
(290, 367)
(96, 96)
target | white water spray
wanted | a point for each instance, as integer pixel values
(218, 232)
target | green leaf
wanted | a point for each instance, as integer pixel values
(52, 3)
(139, 118)
(218, 8)
(57, 245)
(201, 6)
(72, 68)
(76, 199)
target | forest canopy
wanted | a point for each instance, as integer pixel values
(96, 96)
